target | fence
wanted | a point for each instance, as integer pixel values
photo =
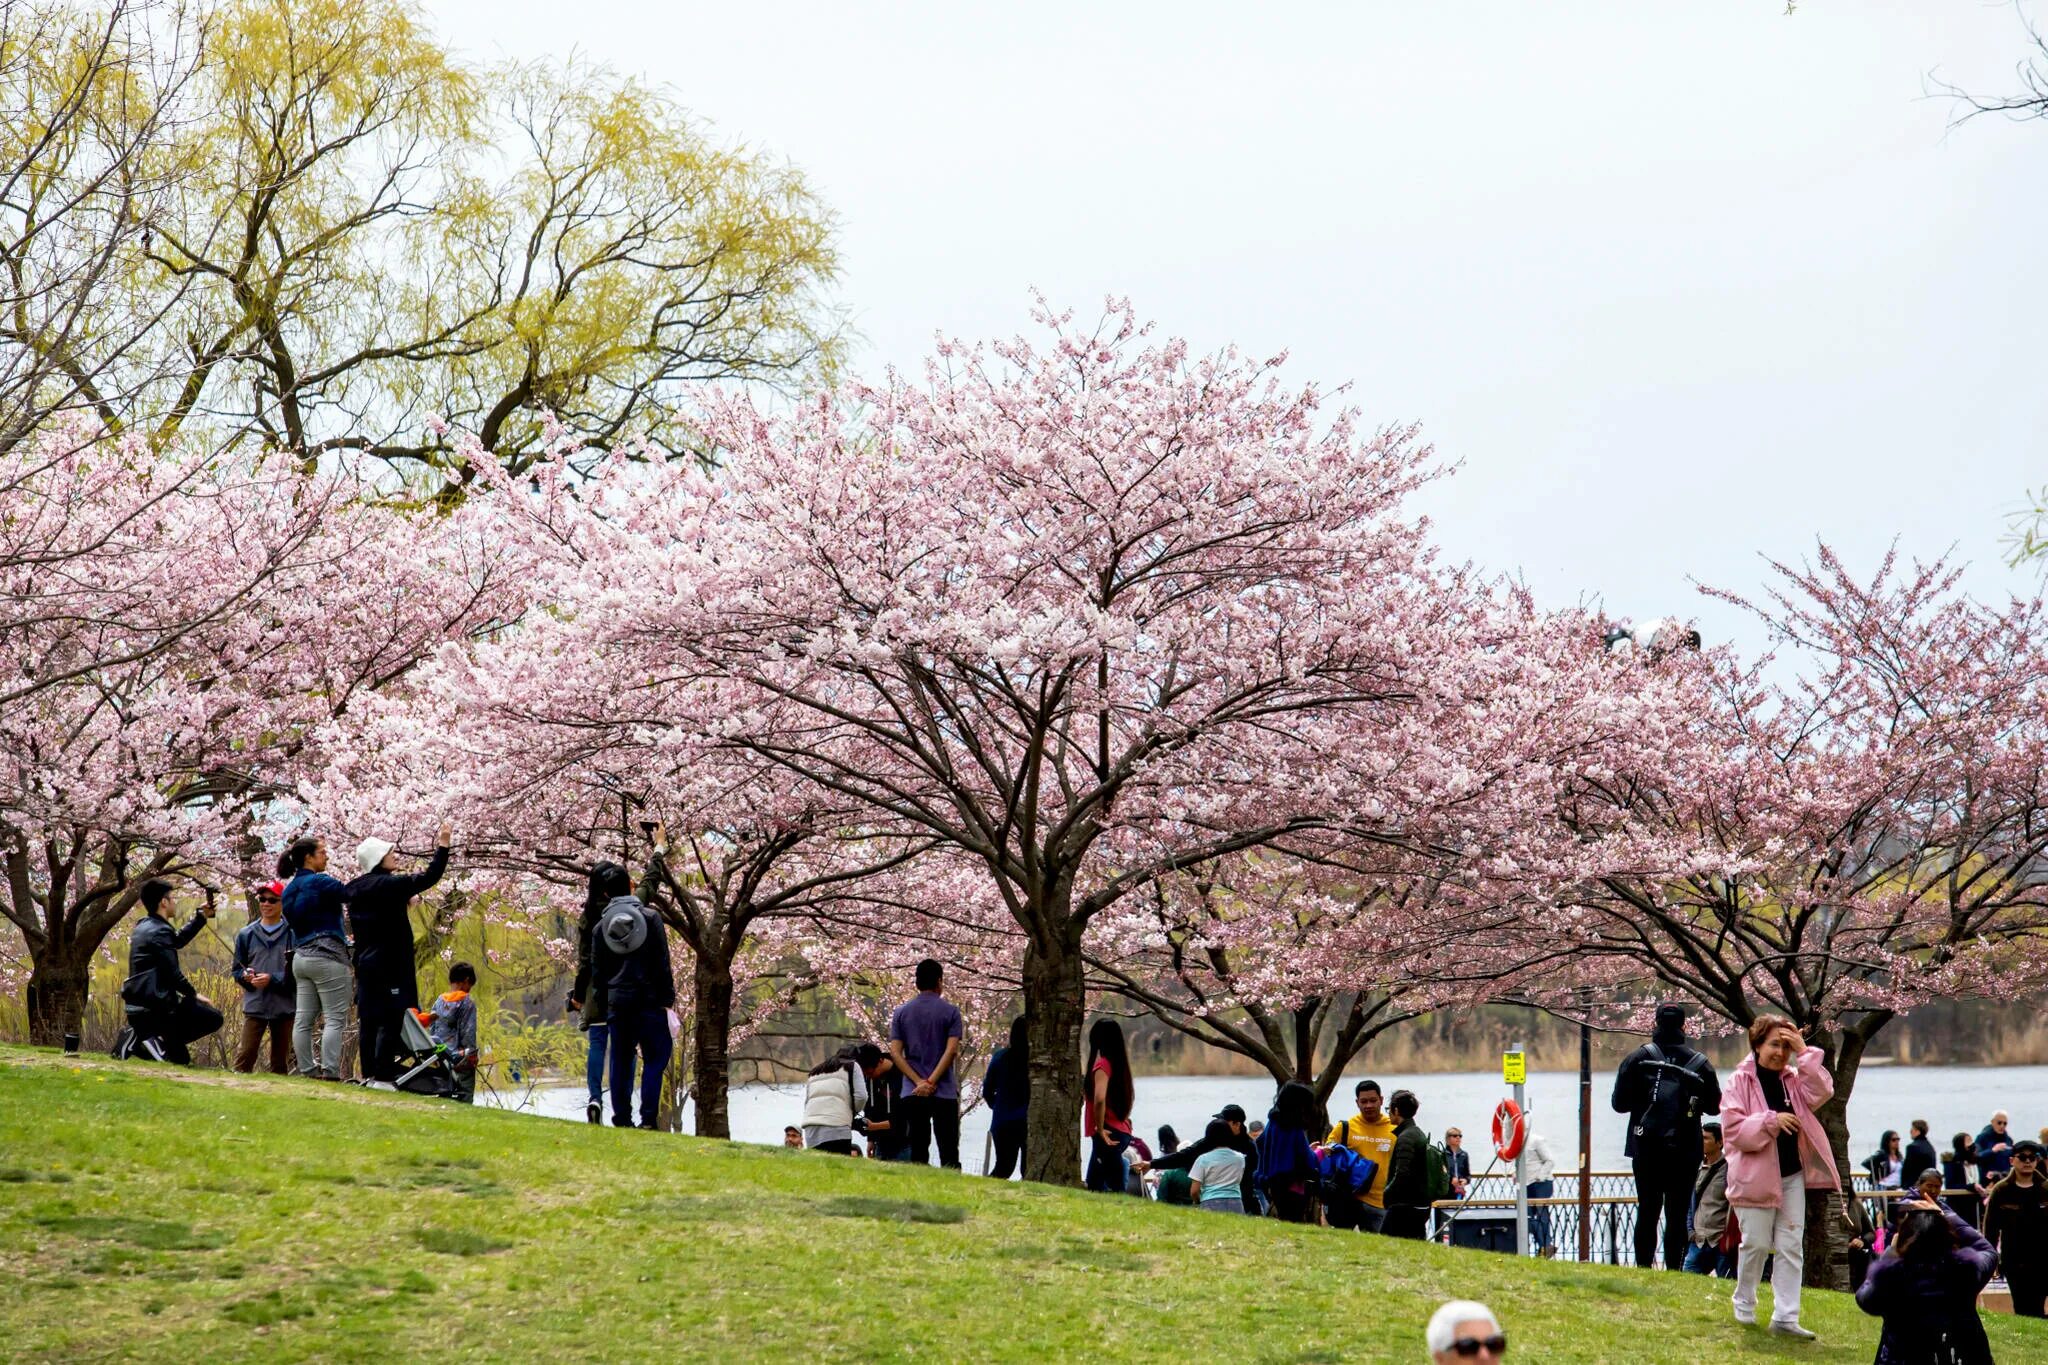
(1488, 1210)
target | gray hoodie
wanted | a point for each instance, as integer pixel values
(262, 948)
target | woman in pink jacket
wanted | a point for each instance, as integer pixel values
(1777, 1151)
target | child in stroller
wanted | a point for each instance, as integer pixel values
(439, 1045)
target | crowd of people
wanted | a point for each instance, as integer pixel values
(1720, 1196)
(1725, 1196)
(316, 948)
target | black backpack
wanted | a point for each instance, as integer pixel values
(1675, 1093)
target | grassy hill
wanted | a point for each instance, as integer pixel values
(198, 1216)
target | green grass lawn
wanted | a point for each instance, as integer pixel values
(195, 1216)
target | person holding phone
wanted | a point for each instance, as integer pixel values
(166, 1012)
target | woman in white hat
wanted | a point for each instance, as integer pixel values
(380, 921)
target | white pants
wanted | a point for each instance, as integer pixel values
(1767, 1232)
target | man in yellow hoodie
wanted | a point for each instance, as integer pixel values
(1370, 1133)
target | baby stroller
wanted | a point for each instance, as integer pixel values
(430, 1066)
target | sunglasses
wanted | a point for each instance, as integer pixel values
(1469, 1347)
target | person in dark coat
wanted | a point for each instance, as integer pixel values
(1925, 1287)
(1238, 1140)
(629, 954)
(2016, 1222)
(1408, 1171)
(1665, 1087)
(1007, 1088)
(1920, 1156)
(380, 922)
(166, 1012)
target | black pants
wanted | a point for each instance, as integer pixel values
(1406, 1222)
(379, 1012)
(926, 1116)
(1106, 1162)
(637, 1032)
(2029, 1286)
(1292, 1204)
(1664, 1180)
(1353, 1214)
(178, 1027)
(1009, 1139)
(836, 1146)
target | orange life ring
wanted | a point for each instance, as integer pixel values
(1510, 1130)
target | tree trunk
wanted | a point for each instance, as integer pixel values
(1055, 1007)
(1827, 1228)
(57, 986)
(711, 1061)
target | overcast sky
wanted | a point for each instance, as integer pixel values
(1679, 286)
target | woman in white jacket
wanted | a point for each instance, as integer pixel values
(835, 1096)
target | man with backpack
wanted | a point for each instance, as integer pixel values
(1417, 1173)
(1665, 1086)
(1369, 1135)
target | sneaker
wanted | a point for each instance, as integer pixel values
(1745, 1316)
(594, 1111)
(152, 1049)
(1790, 1329)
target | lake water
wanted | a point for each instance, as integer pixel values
(1952, 1099)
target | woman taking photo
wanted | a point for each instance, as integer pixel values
(1925, 1287)
(1109, 1106)
(1776, 1152)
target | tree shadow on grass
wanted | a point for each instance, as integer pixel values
(892, 1210)
(459, 1242)
(150, 1234)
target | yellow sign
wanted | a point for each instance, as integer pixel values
(1514, 1068)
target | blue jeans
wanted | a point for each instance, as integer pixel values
(593, 1068)
(642, 1033)
(1708, 1260)
(1539, 1219)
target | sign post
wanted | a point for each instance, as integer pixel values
(1514, 1069)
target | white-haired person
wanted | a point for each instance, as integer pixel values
(1462, 1331)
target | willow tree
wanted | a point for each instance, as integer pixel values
(351, 235)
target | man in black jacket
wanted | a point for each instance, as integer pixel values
(380, 922)
(1920, 1157)
(629, 954)
(1407, 1172)
(166, 1013)
(2016, 1222)
(1665, 1086)
(1240, 1142)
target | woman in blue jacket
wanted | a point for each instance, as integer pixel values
(314, 906)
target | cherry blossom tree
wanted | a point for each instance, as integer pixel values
(183, 625)
(1089, 615)
(1836, 844)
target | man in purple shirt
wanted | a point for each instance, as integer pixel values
(924, 1038)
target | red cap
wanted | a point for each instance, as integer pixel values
(269, 889)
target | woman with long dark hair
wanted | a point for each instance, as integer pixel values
(1110, 1093)
(586, 996)
(1925, 1287)
(1286, 1160)
(1007, 1088)
(1887, 1162)
(314, 904)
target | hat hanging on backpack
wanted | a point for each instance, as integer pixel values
(622, 929)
